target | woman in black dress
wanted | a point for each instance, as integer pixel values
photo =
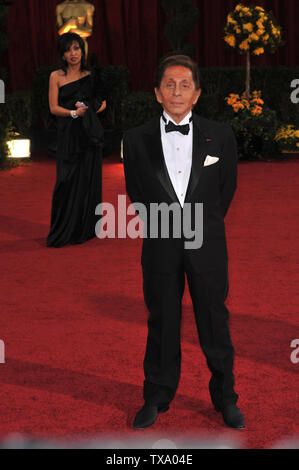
(77, 191)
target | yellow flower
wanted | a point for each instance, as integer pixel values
(257, 111)
(240, 103)
(230, 101)
(259, 8)
(259, 51)
(253, 37)
(266, 37)
(230, 39)
(289, 134)
(248, 27)
(244, 45)
(261, 26)
(236, 108)
(246, 10)
(275, 32)
(237, 29)
(230, 19)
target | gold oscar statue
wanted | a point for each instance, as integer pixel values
(75, 16)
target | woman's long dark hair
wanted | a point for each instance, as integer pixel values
(64, 43)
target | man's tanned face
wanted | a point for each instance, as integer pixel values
(177, 92)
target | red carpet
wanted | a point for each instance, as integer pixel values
(74, 323)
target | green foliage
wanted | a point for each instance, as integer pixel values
(19, 111)
(15, 117)
(288, 138)
(137, 108)
(40, 97)
(252, 29)
(208, 106)
(5, 134)
(182, 16)
(274, 83)
(119, 91)
(255, 134)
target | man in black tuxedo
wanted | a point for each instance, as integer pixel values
(184, 160)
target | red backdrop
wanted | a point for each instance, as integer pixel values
(130, 32)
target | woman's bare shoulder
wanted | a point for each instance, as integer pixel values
(57, 77)
(57, 73)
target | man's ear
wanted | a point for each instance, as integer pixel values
(197, 95)
(158, 95)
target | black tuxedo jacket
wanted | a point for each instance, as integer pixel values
(147, 181)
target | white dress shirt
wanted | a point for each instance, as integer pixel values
(177, 149)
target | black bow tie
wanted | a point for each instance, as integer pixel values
(171, 127)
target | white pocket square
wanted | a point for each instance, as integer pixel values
(210, 160)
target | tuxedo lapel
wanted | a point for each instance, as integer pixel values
(201, 144)
(154, 145)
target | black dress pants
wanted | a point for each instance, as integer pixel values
(163, 296)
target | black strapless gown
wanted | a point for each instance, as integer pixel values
(78, 188)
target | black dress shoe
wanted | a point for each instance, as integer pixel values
(232, 416)
(148, 415)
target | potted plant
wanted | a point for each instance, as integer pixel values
(250, 30)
